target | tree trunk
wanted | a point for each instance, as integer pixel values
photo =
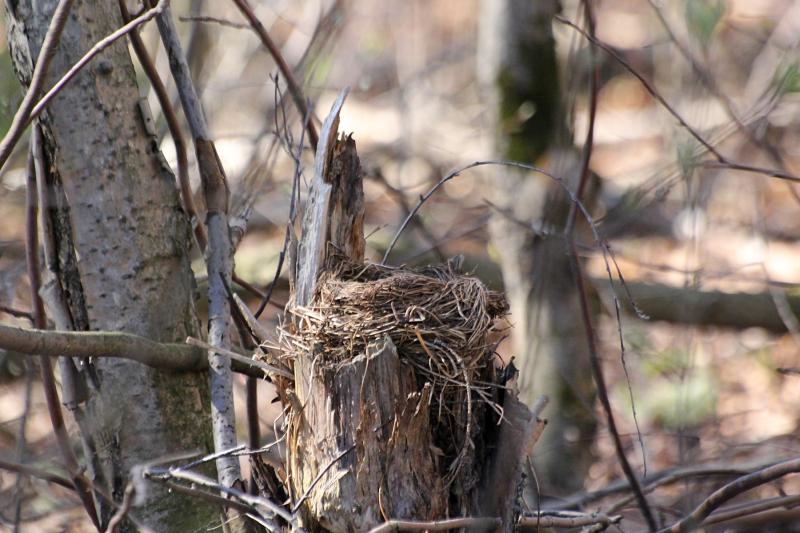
(122, 251)
(519, 70)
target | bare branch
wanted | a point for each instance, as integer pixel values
(93, 51)
(124, 508)
(647, 85)
(205, 19)
(241, 358)
(733, 512)
(49, 46)
(219, 256)
(80, 482)
(168, 356)
(174, 129)
(565, 519)
(294, 87)
(488, 523)
(37, 473)
(732, 489)
(769, 172)
(202, 481)
(602, 392)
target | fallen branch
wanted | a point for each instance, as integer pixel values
(752, 508)
(659, 479)
(488, 523)
(705, 308)
(566, 519)
(734, 488)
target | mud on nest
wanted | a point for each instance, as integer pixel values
(442, 323)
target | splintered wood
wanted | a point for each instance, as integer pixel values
(395, 407)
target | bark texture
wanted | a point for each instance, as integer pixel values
(359, 448)
(122, 250)
(519, 69)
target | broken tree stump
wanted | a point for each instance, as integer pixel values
(395, 410)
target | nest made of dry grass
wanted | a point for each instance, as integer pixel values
(441, 322)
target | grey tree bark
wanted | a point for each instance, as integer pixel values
(122, 250)
(519, 70)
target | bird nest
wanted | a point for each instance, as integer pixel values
(442, 323)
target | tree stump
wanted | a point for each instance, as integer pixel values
(398, 415)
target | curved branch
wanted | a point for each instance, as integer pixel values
(734, 488)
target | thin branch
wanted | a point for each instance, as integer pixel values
(588, 145)
(49, 46)
(241, 358)
(647, 85)
(400, 199)
(487, 523)
(17, 313)
(722, 161)
(80, 483)
(750, 508)
(289, 224)
(319, 476)
(570, 226)
(769, 172)
(259, 332)
(98, 47)
(209, 497)
(200, 480)
(662, 478)
(294, 87)
(502, 162)
(174, 129)
(732, 489)
(205, 19)
(602, 391)
(124, 508)
(167, 356)
(37, 473)
(219, 256)
(566, 519)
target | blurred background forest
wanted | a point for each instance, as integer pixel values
(708, 245)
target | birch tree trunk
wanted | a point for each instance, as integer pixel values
(519, 70)
(122, 251)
